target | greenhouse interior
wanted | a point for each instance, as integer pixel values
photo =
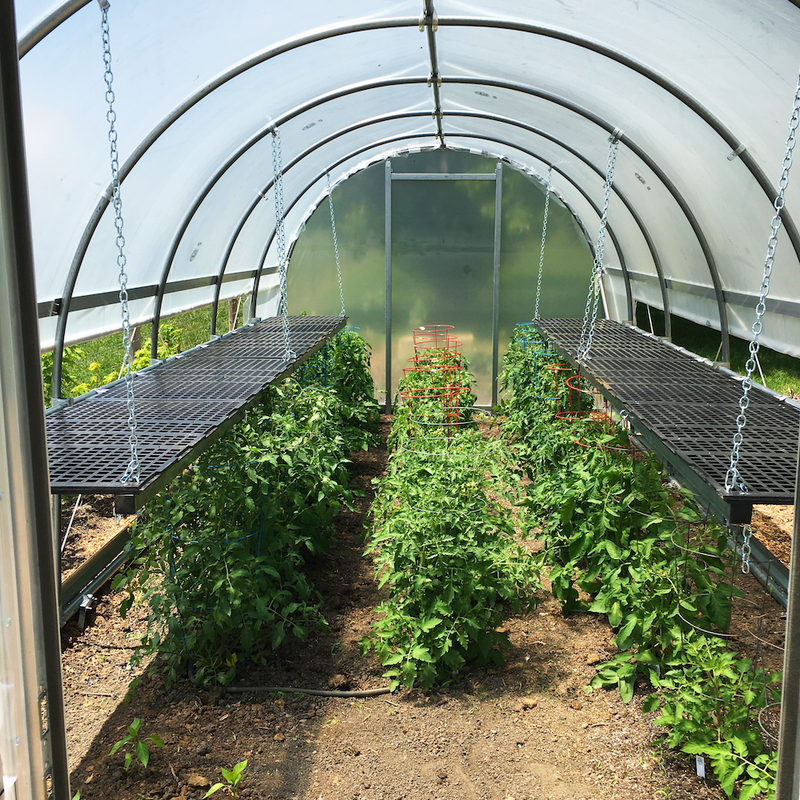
(413, 404)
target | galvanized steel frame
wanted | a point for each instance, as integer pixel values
(69, 8)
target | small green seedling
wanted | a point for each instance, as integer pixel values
(140, 750)
(233, 777)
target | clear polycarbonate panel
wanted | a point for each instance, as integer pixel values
(359, 205)
(572, 142)
(580, 207)
(32, 12)
(95, 322)
(644, 288)
(313, 283)
(307, 179)
(615, 295)
(781, 332)
(572, 178)
(175, 170)
(297, 207)
(70, 171)
(685, 83)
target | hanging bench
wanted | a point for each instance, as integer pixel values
(684, 408)
(183, 405)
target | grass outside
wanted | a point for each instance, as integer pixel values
(99, 361)
(781, 372)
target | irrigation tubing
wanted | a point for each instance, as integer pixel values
(317, 692)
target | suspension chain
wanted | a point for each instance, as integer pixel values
(133, 471)
(335, 245)
(733, 479)
(747, 534)
(280, 235)
(544, 239)
(590, 313)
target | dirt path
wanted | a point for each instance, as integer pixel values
(523, 732)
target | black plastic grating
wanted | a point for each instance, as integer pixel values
(690, 405)
(179, 404)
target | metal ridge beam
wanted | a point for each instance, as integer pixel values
(429, 22)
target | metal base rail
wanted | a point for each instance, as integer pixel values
(93, 573)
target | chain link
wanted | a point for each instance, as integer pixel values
(747, 533)
(280, 235)
(544, 239)
(733, 478)
(590, 313)
(132, 473)
(335, 245)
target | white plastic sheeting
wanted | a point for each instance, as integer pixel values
(699, 90)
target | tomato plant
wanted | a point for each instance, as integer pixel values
(220, 554)
(443, 546)
(619, 543)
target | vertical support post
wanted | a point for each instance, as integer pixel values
(388, 243)
(32, 734)
(498, 224)
(788, 779)
(56, 523)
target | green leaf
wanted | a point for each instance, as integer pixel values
(421, 653)
(215, 788)
(613, 550)
(278, 635)
(142, 753)
(408, 672)
(626, 688)
(119, 744)
(624, 638)
(651, 703)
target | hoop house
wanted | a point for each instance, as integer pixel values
(694, 96)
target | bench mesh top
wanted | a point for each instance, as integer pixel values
(691, 406)
(180, 405)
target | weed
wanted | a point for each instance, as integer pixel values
(233, 778)
(139, 747)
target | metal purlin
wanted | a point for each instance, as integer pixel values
(544, 239)
(280, 229)
(590, 313)
(733, 478)
(132, 472)
(343, 313)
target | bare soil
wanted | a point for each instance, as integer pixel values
(521, 732)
